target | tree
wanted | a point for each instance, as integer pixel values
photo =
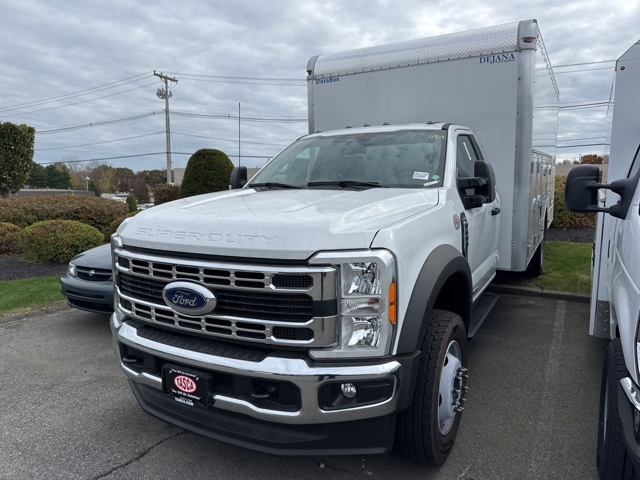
(58, 176)
(140, 189)
(37, 176)
(101, 177)
(208, 170)
(122, 179)
(155, 177)
(591, 159)
(132, 204)
(16, 156)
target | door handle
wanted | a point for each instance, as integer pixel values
(495, 211)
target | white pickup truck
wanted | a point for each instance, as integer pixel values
(324, 308)
(615, 294)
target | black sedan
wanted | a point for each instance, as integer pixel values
(88, 284)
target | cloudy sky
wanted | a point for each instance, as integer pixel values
(81, 72)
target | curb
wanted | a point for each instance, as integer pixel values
(539, 292)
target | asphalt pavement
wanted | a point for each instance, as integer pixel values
(66, 410)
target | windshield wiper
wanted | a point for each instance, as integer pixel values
(346, 184)
(274, 185)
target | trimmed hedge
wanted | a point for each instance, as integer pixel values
(9, 239)
(132, 204)
(94, 211)
(208, 170)
(563, 218)
(163, 193)
(58, 240)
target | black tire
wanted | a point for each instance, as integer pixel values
(611, 457)
(536, 265)
(419, 433)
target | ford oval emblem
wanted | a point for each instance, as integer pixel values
(189, 298)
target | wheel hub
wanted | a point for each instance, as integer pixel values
(453, 386)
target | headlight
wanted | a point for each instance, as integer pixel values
(71, 269)
(367, 295)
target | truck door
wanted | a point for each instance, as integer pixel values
(625, 267)
(480, 223)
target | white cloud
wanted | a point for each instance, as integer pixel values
(54, 49)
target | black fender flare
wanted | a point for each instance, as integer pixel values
(443, 264)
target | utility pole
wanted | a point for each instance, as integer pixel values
(165, 93)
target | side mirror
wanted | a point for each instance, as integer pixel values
(480, 189)
(485, 170)
(581, 191)
(238, 178)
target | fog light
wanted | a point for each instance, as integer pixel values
(348, 390)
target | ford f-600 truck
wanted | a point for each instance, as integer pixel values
(615, 293)
(324, 307)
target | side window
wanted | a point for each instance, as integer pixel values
(466, 157)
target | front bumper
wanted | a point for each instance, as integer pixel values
(306, 427)
(96, 297)
(629, 412)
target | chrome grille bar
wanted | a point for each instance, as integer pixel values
(258, 303)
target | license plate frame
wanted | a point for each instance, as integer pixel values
(187, 386)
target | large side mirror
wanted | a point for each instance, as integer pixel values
(485, 170)
(480, 189)
(581, 191)
(238, 178)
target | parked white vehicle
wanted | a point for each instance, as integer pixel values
(615, 294)
(324, 308)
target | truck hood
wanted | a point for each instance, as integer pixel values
(282, 224)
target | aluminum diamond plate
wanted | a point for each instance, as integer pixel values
(472, 43)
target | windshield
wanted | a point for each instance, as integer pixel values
(406, 158)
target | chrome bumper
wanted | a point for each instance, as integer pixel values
(309, 379)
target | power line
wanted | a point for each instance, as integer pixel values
(584, 145)
(79, 93)
(583, 63)
(94, 124)
(229, 140)
(583, 70)
(226, 77)
(103, 158)
(583, 106)
(235, 117)
(582, 139)
(83, 101)
(96, 143)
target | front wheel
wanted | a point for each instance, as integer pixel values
(427, 430)
(612, 458)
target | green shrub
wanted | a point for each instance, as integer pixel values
(132, 204)
(563, 218)
(116, 223)
(163, 193)
(208, 170)
(9, 239)
(94, 211)
(58, 240)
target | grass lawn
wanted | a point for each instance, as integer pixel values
(21, 295)
(567, 267)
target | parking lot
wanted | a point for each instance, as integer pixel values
(66, 410)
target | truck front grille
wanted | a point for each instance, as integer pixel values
(265, 304)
